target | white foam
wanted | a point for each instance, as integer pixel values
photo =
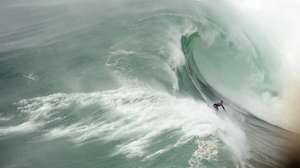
(135, 116)
(206, 150)
(3, 118)
(22, 128)
(31, 76)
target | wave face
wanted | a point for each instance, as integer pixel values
(131, 84)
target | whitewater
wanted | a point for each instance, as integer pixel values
(131, 83)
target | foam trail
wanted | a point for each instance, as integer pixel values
(25, 127)
(135, 115)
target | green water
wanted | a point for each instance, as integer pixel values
(98, 84)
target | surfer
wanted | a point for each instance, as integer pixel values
(219, 104)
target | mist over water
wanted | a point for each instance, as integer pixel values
(131, 83)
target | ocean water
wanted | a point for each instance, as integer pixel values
(131, 83)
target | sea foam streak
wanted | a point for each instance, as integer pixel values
(135, 115)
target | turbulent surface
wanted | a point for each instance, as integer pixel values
(131, 83)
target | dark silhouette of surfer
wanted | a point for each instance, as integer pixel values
(219, 104)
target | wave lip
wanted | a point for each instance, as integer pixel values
(265, 139)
